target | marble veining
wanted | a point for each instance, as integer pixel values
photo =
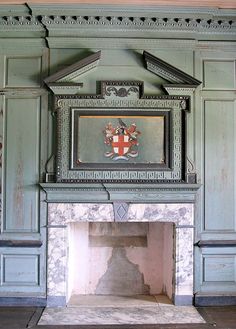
(57, 258)
(181, 214)
(64, 213)
(61, 214)
(184, 261)
(158, 314)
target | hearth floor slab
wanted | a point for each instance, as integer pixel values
(116, 301)
(143, 312)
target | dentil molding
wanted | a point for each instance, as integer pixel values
(89, 21)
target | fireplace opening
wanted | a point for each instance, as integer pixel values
(120, 259)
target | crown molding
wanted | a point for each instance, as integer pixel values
(77, 25)
(114, 21)
(23, 21)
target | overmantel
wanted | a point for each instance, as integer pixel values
(121, 135)
(135, 193)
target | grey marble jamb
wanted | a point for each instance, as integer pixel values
(184, 262)
(57, 258)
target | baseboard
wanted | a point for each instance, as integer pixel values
(214, 300)
(23, 301)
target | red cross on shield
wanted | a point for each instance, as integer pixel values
(121, 144)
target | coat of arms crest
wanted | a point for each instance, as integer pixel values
(122, 139)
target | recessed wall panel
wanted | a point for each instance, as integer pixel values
(20, 270)
(220, 127)
(219, 268)
(23, 72)
(218, 74)
(21, 165)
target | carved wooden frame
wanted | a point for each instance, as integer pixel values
(117, 96)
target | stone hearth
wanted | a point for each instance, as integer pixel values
(121, 311)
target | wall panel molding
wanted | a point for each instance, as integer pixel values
(216, 160)
(24, 129)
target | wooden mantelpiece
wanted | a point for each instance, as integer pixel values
(157, 193)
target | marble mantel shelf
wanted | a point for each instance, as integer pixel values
(157, 193)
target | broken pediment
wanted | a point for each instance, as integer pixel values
(62, 82)
(65, 81)
(169, 72)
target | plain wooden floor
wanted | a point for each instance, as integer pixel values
(27, 317)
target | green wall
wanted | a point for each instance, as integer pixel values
(33, 46)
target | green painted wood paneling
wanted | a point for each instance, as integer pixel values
(24, 111)
(20, 270)
(215, 122)
(22, 118)
(219, 74)
(23, 72)
(23, 272)
(220, 127)
(24, 130)
(219, 268)
(216, 269)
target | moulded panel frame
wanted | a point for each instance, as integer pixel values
(175, 138)
(123, 98)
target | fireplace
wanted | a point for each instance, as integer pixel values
(122, 193)
(119, 259)
(151, 247)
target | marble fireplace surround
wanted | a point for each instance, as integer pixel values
(60, 214)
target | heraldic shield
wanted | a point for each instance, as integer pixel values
(122, 140)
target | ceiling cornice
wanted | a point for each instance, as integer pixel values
(86, 21)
